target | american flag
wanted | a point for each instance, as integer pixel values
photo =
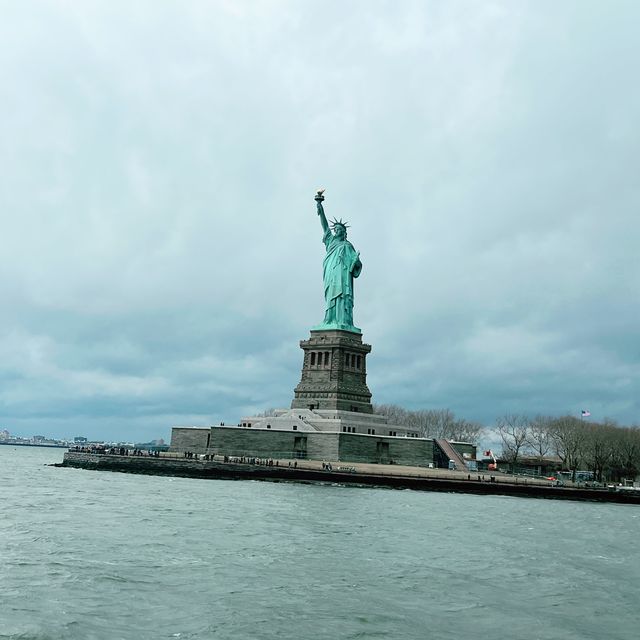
(585, 414)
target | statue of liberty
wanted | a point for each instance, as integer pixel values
(341, 265)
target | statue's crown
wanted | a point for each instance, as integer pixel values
(339, 223)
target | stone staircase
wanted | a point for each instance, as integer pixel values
(452, 454)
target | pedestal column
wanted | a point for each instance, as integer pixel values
(334, 372)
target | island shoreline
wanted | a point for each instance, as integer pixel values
(218, 470)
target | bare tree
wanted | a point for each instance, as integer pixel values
(514, 431)
(626, 457)
(466, 431)
(539, 437)
(568, 435)
(599, 446)
(432, 423)
(395, 414)
(438, 423)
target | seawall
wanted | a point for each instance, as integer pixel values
(214, 469)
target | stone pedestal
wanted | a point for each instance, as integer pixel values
(334, 373)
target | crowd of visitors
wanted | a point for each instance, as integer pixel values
(115, 451)
(191, 455)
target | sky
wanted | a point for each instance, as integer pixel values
(161, 257)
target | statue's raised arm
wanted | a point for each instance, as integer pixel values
(323, 219)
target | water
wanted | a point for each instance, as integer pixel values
(96, 555)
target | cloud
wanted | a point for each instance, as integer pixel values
(161, 253)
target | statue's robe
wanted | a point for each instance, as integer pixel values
(341, 265)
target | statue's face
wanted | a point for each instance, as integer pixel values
(340, 231)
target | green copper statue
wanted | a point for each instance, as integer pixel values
(341, 265)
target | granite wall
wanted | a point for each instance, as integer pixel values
(195, 439)
(329, 446)
(465, 447)
(262, 443)
(414, 452)
(323, 446)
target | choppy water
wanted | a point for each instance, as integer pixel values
(96, 555)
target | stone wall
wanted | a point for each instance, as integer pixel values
(415, 452)
(332, 447)
(465, 447)
(357, 448)
(262, 443)
(323, 446)
(195, 439)
(132, 464)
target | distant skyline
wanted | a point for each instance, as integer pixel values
(161, 254)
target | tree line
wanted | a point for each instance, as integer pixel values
(432, 423)
(610, 451)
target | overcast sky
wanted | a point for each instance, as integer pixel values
(161, 255)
